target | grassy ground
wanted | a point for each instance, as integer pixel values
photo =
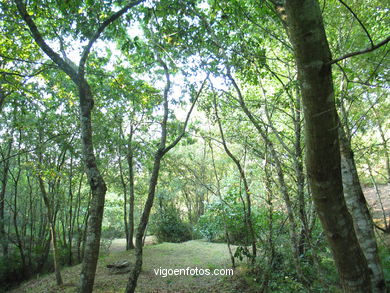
(192, 254)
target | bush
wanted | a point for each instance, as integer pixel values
(168, 227)
(11, 271)
(219, 217)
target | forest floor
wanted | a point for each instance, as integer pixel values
(194, 254)
(377, 204)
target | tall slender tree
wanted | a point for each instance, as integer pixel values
(86, 103)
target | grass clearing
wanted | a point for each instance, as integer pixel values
(195, 253)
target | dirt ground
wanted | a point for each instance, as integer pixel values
(379, 205)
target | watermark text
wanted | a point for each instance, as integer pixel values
(165, 272)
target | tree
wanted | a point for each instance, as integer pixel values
(313, 58)
(86, 102)
(163, 148)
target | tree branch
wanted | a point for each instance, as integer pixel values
(372, 48)
(175, 142)
(23, 75)
(357, 18)
(65, 66)
(42, 44)
(102, 27)
(34, 148)
(167, 88)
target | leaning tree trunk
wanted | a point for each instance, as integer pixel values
(161, 151)
(247, 209)
(357, 206)
(312, 55)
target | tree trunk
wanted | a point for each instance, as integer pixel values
(51, 219)
(98, 189)
(132, 283)
(71, 214)
(247, 210)
(312, 55)
(4, 181)
(357, 206)
(57, 268)
(304, 239)
(95, 179)
(124, 188)
(130, 162)
(161, 151)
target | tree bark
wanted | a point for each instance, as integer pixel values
(130, 163)
(357, 206)
(132, 282)
(124, 188)
(4, 181)
(51, 220)
(71, 214)
(98, 189)
(312, 55)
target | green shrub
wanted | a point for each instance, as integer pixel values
(11, 271)
(384, 254)
(220, 218)
(167, 226)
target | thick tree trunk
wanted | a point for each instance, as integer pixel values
(98, 188)
(95, 179)
(312, 54)
(357, 206)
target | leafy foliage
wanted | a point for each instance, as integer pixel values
(167, 226)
